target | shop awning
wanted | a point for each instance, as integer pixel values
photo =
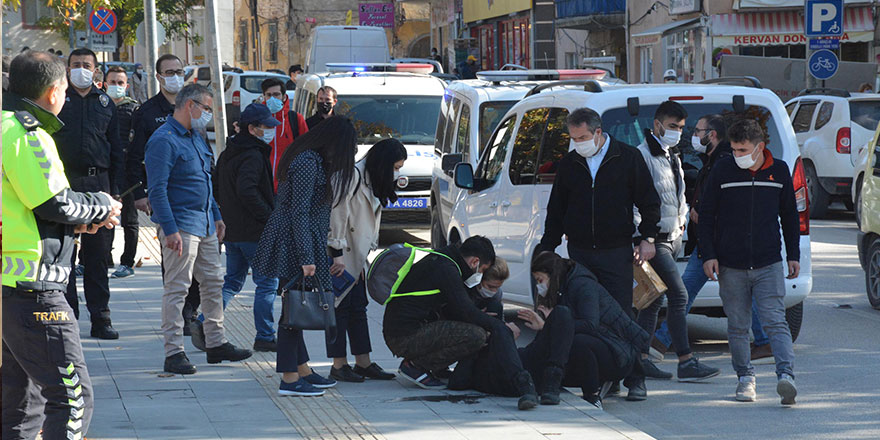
(652, 35)
(783, 27)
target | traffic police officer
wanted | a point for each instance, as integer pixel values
(93, 158)
(45, 380)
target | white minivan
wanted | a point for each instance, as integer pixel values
(346, 44)
(507, 192)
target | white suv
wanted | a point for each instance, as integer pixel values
(506, 197)
(832, 126)
(387, 100)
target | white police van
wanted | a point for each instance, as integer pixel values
(507, 191)
(387, 100)
(470, 111)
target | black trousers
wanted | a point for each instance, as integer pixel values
(439, 344)
(494, 368)
(613, 269)
(591, 363)
(95, 248)
(129, 230)
(292, 350)
(351, 319)
(551, 346)
(45, 380)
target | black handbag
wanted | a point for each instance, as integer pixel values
(308, 309)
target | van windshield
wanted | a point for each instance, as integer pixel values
(409, 119)
(622, 126)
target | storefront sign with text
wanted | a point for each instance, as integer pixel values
(783, 39)
(376, 14)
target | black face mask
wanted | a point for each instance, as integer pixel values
(325, 107)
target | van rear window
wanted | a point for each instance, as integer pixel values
(865, 113)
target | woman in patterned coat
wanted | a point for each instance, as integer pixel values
(294, 242)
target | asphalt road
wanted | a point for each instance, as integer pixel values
(836, 362)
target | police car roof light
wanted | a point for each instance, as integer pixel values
(746, 81)
(540, 74)
(379, 67)
(590, 85)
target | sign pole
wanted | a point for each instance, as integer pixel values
(152, 46)
(213, 40)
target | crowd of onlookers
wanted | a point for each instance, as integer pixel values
(290, 205)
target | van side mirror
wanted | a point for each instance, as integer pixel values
(464, 176)
(449, 161)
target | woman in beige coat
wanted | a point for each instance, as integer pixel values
(354, 232)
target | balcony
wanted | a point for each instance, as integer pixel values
(590, 14)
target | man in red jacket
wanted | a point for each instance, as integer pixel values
(292, 123)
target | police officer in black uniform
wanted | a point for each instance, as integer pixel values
(92, 154)
(45, 379)
(146, 120)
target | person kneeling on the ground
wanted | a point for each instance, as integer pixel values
(434, 323)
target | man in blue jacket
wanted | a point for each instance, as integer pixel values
(740, 212)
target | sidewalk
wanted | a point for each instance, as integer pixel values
(134, 399)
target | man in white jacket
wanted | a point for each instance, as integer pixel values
(667, 174)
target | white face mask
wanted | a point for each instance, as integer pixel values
(697, 143)
(173, 84)
(670, 138)
(473, 280)
(396, 175)
(202, 122)
(541, 289)
(586, 148)
(81, 78)
(747, 161)
(268, 135)
(115, 92)
(486, 293)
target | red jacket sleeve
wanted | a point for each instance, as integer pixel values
(303, 127)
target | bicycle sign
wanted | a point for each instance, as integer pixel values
(823, 64)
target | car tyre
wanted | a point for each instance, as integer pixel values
(794, 315)
(438, 239)
(872, 274)
(818, 197)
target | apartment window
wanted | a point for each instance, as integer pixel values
(34, 10)
(273, 42)
(243, 41)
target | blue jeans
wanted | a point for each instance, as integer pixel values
(694, 278)
(766, 286)
(238, 261)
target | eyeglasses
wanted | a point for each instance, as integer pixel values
(205, 108)
(274, 95)
(173, 72)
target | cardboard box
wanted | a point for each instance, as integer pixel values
(647, 285)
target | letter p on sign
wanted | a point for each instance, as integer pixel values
(823, 18)
(822, 12)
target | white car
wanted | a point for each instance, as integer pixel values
(470, 111)
(506, 197)
(832, 126)
(387, 100)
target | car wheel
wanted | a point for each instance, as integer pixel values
(438, 239)
(857, 204)
(872, 274)
(819, 199)
(794, 315)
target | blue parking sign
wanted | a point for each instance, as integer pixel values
(823, 18)
(823, 64)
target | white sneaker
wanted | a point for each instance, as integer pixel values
(786, 389)
(745, 389)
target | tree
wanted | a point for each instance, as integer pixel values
(130, 13)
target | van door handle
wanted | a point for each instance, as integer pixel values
(505, 204)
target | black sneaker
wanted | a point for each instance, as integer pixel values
(261, 345)
(416, 375)
(594, 400)
(653, 372)
(197, 332)
(104, 330)
(637, 391)
(345, 374)
(552, 383)
(526, 387)
(374, 371)
(179, 364)
(227, 352)
(692, 370)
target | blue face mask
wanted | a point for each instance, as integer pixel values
(275, 105)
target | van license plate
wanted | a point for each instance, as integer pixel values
(409, 203)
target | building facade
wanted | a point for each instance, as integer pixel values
(587, 30)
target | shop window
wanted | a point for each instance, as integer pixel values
(243, 41)
(804, 117)
(776, 51)
(854, 52)
(493, 162)
(554, 147)
(680, 54)
(797, 51)
(525, 149)
(824, 116)
(273, 41)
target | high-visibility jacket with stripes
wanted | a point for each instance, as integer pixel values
(40, 211)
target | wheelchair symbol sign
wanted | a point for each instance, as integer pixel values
(823, 18)
(823, 64)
